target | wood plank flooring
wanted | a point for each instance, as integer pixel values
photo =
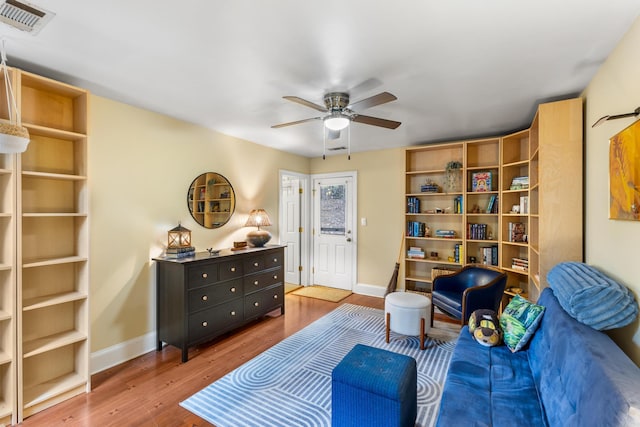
(146, 391)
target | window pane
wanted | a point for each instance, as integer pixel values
(332, 209)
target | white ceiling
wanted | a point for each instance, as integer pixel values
(460, 68)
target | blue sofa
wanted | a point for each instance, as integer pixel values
(568, 375)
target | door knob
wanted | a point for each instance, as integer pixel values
(348, 239)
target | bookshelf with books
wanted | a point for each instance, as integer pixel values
(482, 221)
(434, 212)
(529, 215)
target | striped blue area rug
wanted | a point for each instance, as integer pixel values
(290, 383)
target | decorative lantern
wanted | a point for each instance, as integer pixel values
(179, 237)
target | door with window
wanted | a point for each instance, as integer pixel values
(334, 239)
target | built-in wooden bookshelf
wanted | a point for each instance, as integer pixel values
(530, 214)
(52, 245)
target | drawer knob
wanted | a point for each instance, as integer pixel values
(256, 304)
(233, 313)
(255, 282)
(275, 276)
(275, 260)
(232, 289)
(205, 324)
(204, 297)
(204, 275)
(275, 296)
(255, 264)
(233, 269)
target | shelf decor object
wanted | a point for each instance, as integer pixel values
(258, 218)
(179, 237)
(14, 138)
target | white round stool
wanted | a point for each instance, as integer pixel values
(407, 313)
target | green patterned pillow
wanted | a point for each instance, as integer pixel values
(519, 321)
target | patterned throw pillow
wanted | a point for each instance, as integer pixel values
(484, 327)
(519, 321)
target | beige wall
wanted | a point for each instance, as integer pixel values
(140, 167)
(612, 246)
(381, 202)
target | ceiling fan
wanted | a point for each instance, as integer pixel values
(339, 113)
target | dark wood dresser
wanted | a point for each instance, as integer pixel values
(202, 297)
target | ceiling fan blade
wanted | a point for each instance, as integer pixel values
(305, 103)
(376, 121)
(281, 125)
(381, 98)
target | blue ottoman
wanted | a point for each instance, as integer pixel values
(374, 387)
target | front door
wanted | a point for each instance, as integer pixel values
(333, 232)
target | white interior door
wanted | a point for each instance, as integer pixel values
(334, 240)
(290, 236)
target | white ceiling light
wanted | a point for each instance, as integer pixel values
(336, 121)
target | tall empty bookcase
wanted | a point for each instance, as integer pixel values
(44, 271)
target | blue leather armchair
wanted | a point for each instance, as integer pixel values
(474, 287)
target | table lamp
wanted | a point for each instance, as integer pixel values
(258, 218)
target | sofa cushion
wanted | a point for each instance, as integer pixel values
(519, 321)
(483, 384)
(591, 297)
(582, 376)
(485, 327)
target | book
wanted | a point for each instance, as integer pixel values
(519, 183)
(516, 232)
(180, 255)
(481, 181)
(180, 250)
(524, 204)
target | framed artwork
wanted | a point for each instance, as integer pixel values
(624, 174)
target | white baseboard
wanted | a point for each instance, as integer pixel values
(369, 290)
(120, 353)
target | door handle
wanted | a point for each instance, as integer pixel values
(348, 239)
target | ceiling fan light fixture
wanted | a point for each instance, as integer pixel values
(336, 121)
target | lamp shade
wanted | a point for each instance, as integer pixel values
(258, 218)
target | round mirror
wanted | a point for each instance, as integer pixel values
(211, 200)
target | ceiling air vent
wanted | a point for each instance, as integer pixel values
(24, 16)
(337, 148)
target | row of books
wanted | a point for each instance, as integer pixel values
(517, 232)
(521, 264)
(477, 231)
(458, 253)
(445, 234)
(489, 255)
(416, 229)
(178, 253)
(519, 183)
(430, 187)
(415, 252)
(457, 205)
(492, 206)
(413, 205)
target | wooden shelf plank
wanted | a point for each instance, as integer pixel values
(432, 261)
(49, 300)
(53, 214)
(51, 342)
(4, 315)
(5, 267)
(53, 132)
(53, 261)
(47, 390)
(4, 359)
(423, 172)
(48, 175)
(419, 279)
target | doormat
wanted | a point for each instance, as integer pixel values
(290, 287)
(322, 292)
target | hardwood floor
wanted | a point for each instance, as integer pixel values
(146, 391)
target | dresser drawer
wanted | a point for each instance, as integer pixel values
(215, 320)
(262, 302)
(230, 269)
(254, 264)
(209, 296)
(262, 280)
(274, 260)
(202, 274)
